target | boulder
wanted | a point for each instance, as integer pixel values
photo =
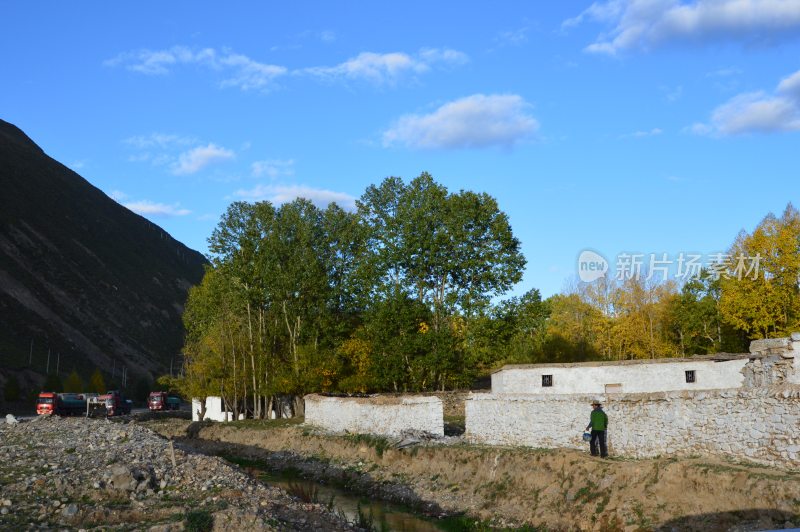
(121, 478)
(769, 343)
(11, 420)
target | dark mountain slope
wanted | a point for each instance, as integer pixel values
(80, 275)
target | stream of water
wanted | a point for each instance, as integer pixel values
(385, 516)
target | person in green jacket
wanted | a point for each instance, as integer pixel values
(598, 423)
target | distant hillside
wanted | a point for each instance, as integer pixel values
(82, 276)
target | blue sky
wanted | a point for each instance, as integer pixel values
(621, 126)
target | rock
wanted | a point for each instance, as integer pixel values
(70, 510)
(122, 479)
(11, 420)
(796, 337)
(769, 343)
(4, 510)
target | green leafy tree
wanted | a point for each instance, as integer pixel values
(401, 338)
(697, 322)
(298, 298)
(451, 252)
(524, 327)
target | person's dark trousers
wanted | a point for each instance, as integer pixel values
(598, 440)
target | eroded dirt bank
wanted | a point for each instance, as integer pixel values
(557, 489)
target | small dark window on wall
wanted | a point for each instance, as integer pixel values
(690, 376)
(547, 380)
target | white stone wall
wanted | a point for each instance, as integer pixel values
(383, 415)
(794, 378)
(214, 410)
(635, 377)
(754, 424)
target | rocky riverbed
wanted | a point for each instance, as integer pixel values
(76, 473)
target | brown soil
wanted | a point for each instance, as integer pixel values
(558, 489)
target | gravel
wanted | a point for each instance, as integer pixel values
(77, 473)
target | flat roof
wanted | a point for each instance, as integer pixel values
(716, 357)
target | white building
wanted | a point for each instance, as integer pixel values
(624, 376)
(215, 410)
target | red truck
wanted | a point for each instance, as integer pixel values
(116, 404)
(60, 404)
(163, 401)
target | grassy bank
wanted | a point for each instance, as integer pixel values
(552, 489)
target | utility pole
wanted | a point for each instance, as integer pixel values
(30, 355)
(58, 362)
(48, 361)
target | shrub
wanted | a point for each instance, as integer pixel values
(199, 521)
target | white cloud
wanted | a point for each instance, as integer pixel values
(196, 159)
(516, 37)
(757, 112)
(244, 72)
(724, 72)
(145, 208)
(790, 86)
(601, 11)
(272, 168)
(249, 74)
(118, 195)
(645, 133)
(476, 121)
(645, 23)
(672, 94)
(286, 193)
(387, 68)
(181, 154)
(159, 140)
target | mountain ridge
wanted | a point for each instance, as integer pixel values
(82, 277)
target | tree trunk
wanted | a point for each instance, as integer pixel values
(256, 405)
(299, 405)
(293, 333)
(201, 414)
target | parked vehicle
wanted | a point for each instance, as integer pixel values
(116, 404)
(163, 401)
(60, 404)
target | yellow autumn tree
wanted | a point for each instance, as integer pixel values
(97, 383)
(641, 329)
(355, 353)
(760, 292)
(571, 329)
